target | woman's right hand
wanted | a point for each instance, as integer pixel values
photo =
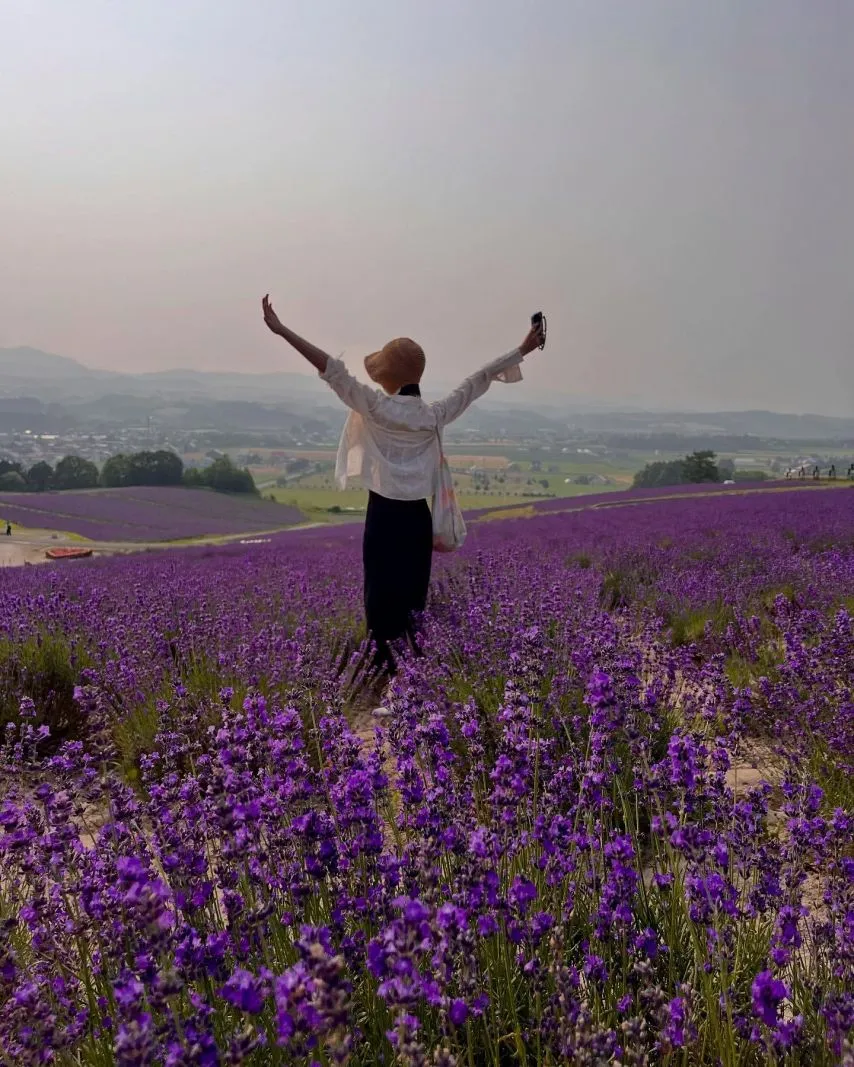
(271, 318)
(533, 340)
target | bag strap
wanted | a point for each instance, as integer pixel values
(437, 477)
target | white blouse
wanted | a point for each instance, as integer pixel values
(392, 443)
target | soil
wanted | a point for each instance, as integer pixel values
(18, 553)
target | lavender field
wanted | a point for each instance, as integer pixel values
(145, 513)
(625, 497)
(611, 820)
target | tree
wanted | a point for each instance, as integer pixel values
(701, 467)
(143, 468)
(13, 482)
(653, 475)
(40, 477)
(698, 467)
(9, 466)
(223, 477)
(156, 468)
(74, 472)
(726, 468)
(116, 471)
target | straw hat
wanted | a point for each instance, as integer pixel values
(398, 363)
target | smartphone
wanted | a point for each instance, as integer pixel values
(538, 322)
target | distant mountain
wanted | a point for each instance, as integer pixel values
(32, 363)
(74, 393)
(231, 386)
(764, 424)
(18, 414)
(28, 371)
(774, 424)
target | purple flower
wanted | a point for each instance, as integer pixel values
(522, 893)
(646, 942)
(245, 991)
(128, 993)
(486, 925)
(674, 1031)
(767, 992)
(458, 1012)
(414, 911)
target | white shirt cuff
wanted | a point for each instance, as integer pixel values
(333, 369)
(511, 375)
(506, 369)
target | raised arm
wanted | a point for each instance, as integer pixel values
(504, 369)
(316, 356)
(355, 395)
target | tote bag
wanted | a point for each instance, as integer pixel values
(449, 529)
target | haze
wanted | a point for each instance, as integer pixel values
(672, 183)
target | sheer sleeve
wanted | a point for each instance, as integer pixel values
(506, 369)
(355, 395)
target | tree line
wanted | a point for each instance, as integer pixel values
(160, 467)
(696, 468)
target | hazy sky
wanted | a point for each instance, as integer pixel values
(673, 183)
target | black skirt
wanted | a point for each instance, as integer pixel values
(397, 552)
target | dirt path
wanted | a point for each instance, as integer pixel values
(29, 546)
(18, 553)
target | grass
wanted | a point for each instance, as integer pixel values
(523, 511)
(316, 502)
(42, 533)
(689, 626)
(837, 783)
(743, 673)
(316, 498)
(45, 668)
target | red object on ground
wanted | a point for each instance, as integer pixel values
(68, 553)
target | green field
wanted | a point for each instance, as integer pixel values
(311, 500)
(504, 475)
(314, 496)
(485, 477)
(316, 503)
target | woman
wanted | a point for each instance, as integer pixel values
(391, 442)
